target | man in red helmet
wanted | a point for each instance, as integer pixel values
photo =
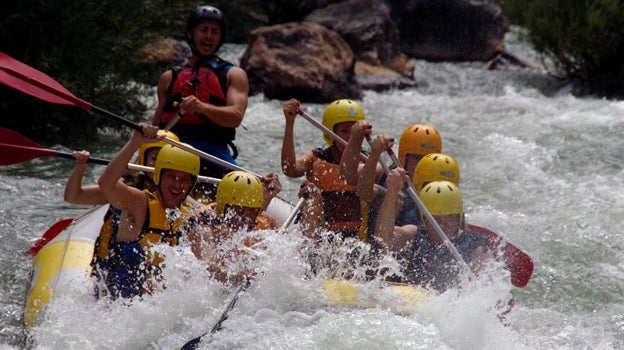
(209, 94)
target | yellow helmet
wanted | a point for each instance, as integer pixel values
(442, 198)
(341, 111)
(174, 158)
(157, 144)
(239, 188)
(419, 139)
(435, 167)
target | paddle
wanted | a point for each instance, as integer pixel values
(518, 262)
(293, 214)
(27, 149)
(16, 148)
(28, 80)
(52, 232)
(194, 343)
(411, 191)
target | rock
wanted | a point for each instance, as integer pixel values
(507, 59)
(303, 60)
(368, 29)
(449, 30)
(285, 11)
(166, 51)
(380, 78)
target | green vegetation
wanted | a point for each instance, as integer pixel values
(90, 47)
(584, 38)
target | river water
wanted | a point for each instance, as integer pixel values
(539, 166)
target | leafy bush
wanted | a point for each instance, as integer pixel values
(90, 47)
(585, 38)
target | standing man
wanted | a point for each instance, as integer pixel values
(209, 94)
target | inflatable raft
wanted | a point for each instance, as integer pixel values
(62, 263)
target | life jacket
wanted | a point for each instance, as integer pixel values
(207, 80)
(342, 208)
(434, 266)
(127, 269)
(107, 235)
(408, 214)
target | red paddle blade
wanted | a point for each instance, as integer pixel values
(12, 154)
(49, 235)
(518, 262)
(15, 148)
(26, 79)
(8, 136)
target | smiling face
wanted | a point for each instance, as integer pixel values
(174, 186)
(206, 37)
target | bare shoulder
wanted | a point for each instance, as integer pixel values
(237, 77)
(237, 72)
(306, 160)
(165, 77)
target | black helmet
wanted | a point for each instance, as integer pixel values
(205, 13)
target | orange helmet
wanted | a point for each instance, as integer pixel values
(419, 139)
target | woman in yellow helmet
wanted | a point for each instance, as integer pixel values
(226, 226)
(342, 210)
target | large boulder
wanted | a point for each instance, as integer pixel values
(286, 11)
(303, 60)
(449, 30)
(368, 29)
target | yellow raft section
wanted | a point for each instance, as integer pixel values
(62, 264)
(399, 297)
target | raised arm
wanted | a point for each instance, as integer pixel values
(394, 237)
(116, 192)
(291, 165)
(372, 170)
(75, 192)
(312, 211)
(350, 160)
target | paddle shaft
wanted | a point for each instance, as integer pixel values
(194, 343)
(293, 214)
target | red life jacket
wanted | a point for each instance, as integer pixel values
(208, 82)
